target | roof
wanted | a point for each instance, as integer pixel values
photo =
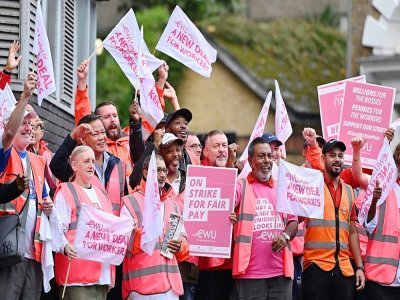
(300, 54)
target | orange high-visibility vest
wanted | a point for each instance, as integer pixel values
(298, 242)
(82, 271)
(144, 274)
(320, 245)
(383, 250)
(14, 166)
(243, 235)
(115, 186)
(120, 148)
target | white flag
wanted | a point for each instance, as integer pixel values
(283, 128)
(7, 103)
(385, 171)
(149, 100)
(300, 191)
(183, 41)
(258, 131)
(123, 43)
(101, 236)
(41, 47)
(153, 223)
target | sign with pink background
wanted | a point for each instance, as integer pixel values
(330, 97)
(209, 199)
(367, 111)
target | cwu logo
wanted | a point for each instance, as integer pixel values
(206, 234)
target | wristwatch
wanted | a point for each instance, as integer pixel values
(360, 268)
(286, 236)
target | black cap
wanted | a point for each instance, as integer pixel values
(270, 137)
(328, 146)
(184, 112)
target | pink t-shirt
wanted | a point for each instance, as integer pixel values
(264, 263)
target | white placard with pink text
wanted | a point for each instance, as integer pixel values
(300, 191)
(367, 111)
(330, 97)
(209, 198)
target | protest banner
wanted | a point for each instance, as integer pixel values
(149, 100)
(184, 42)
(283, 127)
(367, 111)
(385, 172)
(330, 97)
(123, 42)
(7, 104)
(209, 199)
(153, 224)
(172, 232)
(300, 191)
(46, 83)
(101, 236)
(258, 131)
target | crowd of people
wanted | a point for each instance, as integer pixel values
(106, 166)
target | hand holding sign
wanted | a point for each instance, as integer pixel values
(377, 193)
(174, 246)
(82, 74)
(29, 86)
(389, 134)
(13, 62)
(70, 251)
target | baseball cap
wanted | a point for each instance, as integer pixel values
(7, 114)
(270, 137)
(184, 112)
(169, 138)
(328, 146)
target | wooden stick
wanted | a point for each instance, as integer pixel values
(66, 278)
(154, 52)
(94, 52)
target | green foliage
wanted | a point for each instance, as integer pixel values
(195, 9)
(300, 54)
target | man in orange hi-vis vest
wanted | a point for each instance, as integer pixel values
(383, 249)
(262, 260)
(328, 273)
(23, 280)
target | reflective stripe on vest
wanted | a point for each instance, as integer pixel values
(383, 249)
(243, 235)
(321, 245)
(150, 271)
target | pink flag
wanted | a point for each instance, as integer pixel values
(149, 100)
(385, 171)
(300, 191)
(45, 72)
(283, 128)
(153, 223)
(123, 43)
(183, 41)
(101, 236)
(258, 131)
(7, 103)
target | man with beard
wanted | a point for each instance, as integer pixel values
(262, 259)
(215, 278)
(215, 153)
(155, 276)
(328, 273)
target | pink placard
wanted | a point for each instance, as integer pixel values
(209, 198)
(367, 111)
(330, 97)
